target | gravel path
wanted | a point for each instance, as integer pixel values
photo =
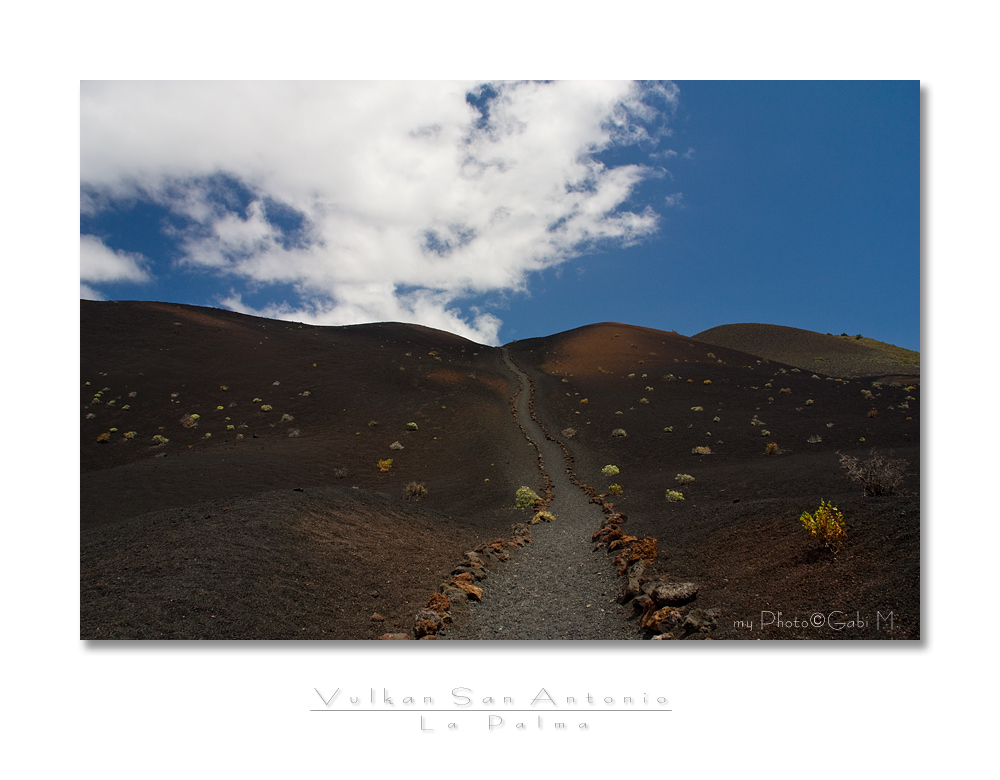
(555, 587)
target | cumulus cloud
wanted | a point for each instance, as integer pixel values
(101, 263)
(374, 201)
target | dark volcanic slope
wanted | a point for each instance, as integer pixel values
(737, 533)
(230, 486)
(841, 356)
(339, 399)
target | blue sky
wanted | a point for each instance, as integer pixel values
(510, 210)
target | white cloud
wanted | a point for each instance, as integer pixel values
(88, 293)
(100, 263)
(408, 199)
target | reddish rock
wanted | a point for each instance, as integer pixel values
(464, 583)
(395, 636)
(427, 622)
(661, 620)
(439, 602)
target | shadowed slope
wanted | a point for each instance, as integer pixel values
(228, 486)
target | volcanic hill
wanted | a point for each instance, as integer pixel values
(245, 478)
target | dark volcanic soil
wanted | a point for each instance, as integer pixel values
(267, 515)
(737, 533)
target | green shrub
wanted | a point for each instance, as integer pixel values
(526, 498)
(675, 495)
(771, 448)
(827, 525)
(615, 489)
(384, 465)
(610, 471)
(684, 479)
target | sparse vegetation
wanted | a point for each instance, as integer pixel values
(103, 437)
(526, 498)
(414, 491)
(615, 489)
(411, 426)
(160, 439)
(684, 479)
(674, 495)
(827, 525)
(543, 516)
(190, 420)
(702, 450)
(384, 465)
(619, 433)
(771, 448)
(878, 475)
(697, 409)
(395, 446)
(266, 407)
(610, 471)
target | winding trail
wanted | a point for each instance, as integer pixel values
(556, 587)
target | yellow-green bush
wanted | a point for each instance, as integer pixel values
(827, 525)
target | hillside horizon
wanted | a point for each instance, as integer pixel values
(767, 340)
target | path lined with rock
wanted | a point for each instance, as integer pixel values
(556, 587)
